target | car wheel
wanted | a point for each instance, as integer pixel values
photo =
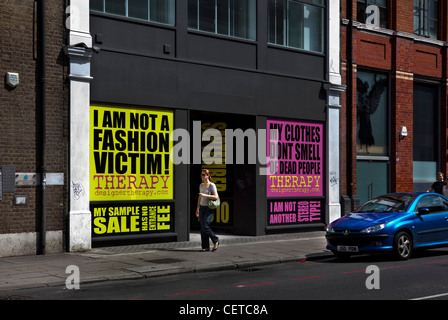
(403, 245)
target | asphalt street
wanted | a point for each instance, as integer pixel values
(376, 277)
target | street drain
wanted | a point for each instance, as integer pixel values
(251, 269)
(164, 261)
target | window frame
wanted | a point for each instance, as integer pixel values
(426, 162)
(377, 150)
(432, 207)
(421, 14)
(170, 12)
(284, 24)
(250, 30)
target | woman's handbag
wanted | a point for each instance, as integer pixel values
(213, 204)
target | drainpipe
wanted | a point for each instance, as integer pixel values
(42, 102)
(349, 100)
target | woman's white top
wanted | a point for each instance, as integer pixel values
(208, 190)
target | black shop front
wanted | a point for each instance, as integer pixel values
(152, 81)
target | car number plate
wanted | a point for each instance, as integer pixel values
(347, 248)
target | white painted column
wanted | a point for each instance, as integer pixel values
(79, 51)
(334, 89)
(333, 174)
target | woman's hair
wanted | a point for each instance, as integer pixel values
(207, 173)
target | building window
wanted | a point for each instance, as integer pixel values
(297, 24)
(426, 18)
(161, 11)
(362, 16)
(233, 18)
(372, 113)
(426, 128)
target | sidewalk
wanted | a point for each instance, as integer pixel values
(150, 260)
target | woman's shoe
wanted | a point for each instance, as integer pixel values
(215, 247)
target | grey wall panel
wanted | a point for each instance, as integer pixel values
(295, 63)
(138, 80)
(140, 64)
(121, 34)
(221, 50)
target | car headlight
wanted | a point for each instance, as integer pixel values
(375, 228)
(330, 229)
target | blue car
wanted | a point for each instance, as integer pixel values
(398, 223)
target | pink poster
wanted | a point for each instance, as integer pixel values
(295, 159)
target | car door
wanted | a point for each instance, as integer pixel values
(432, 225)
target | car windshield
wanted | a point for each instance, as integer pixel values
(388, 203)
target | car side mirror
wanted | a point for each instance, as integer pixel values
(423, 211)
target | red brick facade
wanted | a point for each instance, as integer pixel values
(404, 56)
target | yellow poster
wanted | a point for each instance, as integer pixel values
(130, 154)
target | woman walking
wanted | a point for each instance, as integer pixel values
(207, 190)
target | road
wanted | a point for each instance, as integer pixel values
(423, 277)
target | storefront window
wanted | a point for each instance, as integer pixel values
(161, 11)
(372, 114)
(296, 24)
(425, 131)
(233, 18)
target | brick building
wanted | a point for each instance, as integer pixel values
(26, 153)
(394, 119)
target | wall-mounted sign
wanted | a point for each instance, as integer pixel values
(131, 218)
(12, 79)
(130, 154)
(283, 212)
(295, 159)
